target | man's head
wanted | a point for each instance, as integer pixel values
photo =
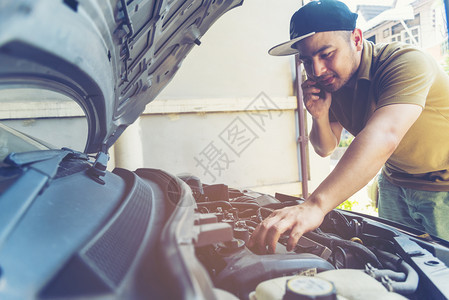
(331, 58)
(323, 33)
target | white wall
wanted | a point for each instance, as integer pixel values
(225, 147)
(45, 115)
(232, 60)
(217, 82)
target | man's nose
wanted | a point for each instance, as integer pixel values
(318, 68)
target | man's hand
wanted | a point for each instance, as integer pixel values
(317, 100)
(297, 220)
(324, 135)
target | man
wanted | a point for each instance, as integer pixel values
(394, 99)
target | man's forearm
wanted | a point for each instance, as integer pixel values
(366, 154)
(356, 168)
(359, 164)
(322, 137)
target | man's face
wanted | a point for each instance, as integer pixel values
(331, 58)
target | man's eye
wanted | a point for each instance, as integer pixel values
(326, 55)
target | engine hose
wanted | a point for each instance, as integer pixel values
(255, 208)
(379, 273)
(266, 212)
(246, 213)
(280, 205)
(245, 205)
(251, 223)
(215, 204)
(410, 284)
(331, 241)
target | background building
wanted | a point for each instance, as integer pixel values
(421, 23)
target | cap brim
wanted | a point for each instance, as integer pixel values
(287, 47)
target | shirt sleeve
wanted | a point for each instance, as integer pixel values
(405, 77)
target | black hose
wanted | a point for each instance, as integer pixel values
(251, 223)
(215, 204)
(245, 205)
(280, 205)
(410, 285)
(246, 213)
(265, 211)
(331, 241)
(379, 273)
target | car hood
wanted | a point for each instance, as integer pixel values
(112, 57)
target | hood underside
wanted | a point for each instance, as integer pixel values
(112, 57)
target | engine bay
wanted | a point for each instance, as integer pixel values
(150, 235)
(359, 255)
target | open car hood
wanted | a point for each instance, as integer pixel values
(112, 57)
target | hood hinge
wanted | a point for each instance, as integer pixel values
(98, 168)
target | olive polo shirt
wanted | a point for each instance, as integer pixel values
(398, 73)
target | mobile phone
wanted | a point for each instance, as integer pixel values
(321, 93)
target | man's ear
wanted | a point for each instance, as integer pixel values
(357, 39)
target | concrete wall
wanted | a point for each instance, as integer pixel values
(45, 115)
(218, 88)
(232, 60)
(240, 148)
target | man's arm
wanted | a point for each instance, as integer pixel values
(363, 159)
(324, 135)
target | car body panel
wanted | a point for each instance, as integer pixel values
(112, 57)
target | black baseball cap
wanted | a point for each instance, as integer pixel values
(316, 16)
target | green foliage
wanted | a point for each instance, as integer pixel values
(348, 205)
(446, 64)
(362, 206)
(346, 142)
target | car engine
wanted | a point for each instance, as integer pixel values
(356, 255)
(148, 234)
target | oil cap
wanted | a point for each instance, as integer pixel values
(304, 287)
